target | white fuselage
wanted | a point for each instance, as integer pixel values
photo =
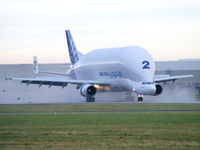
(129, 68)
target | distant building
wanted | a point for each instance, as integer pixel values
(182, 67)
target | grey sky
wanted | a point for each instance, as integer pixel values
(168, 29)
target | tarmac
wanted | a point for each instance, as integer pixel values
(112, 111)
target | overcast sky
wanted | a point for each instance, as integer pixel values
(168, 29)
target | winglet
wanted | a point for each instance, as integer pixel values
(35, 66)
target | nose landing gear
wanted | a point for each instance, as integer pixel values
(140, 97)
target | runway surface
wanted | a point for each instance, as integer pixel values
(113, 111)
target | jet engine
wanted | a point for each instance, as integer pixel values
(159, 89)
(87, 90)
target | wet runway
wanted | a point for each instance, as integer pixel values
(107, 111)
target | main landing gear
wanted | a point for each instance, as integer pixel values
(140, 97)
(90, 99)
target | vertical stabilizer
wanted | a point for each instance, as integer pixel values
(35, 66)
(73, 52)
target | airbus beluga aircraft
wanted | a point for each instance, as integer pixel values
(128, 69)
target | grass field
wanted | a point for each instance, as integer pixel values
(102, 131)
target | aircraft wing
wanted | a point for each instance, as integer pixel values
(165, 78)
(52, 81)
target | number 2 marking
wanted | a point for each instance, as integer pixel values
(146, 64)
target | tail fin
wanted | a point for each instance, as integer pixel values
(73, 52)
(35, 66)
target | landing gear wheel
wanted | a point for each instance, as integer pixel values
(90, 99)
(140, 98)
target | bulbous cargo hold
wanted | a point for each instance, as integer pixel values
(133, 62)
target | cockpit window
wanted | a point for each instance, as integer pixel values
(144, 83)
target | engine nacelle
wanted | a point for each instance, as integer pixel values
(159, 89)
(87, 90)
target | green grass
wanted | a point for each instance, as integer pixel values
(100, 131)
(94, 107)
